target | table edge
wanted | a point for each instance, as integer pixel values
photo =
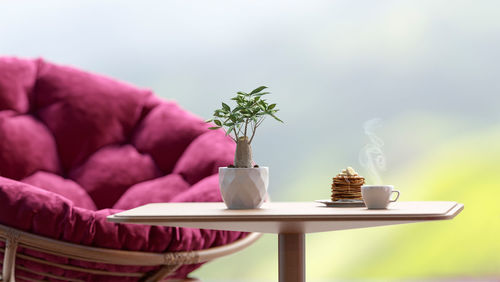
(455, 210)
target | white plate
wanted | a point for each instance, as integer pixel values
(342, 203)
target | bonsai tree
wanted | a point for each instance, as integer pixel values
(241, 122)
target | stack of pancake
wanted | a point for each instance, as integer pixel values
(347, 185)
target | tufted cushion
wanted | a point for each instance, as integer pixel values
(217, 150)
(26, 146)
(17, 79)
(152, 192)
(64, 187)
(166, 132)
(203, 191)
(85, 111)
(110, 171)
(87, 146)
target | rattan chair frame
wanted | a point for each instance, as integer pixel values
(168, 261)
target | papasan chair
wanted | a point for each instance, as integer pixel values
(76, 147)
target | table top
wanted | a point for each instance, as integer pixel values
(284, 217)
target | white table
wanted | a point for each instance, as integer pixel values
(290, 220)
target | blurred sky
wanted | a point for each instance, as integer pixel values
(429, 69)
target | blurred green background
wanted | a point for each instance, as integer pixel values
(430, 70)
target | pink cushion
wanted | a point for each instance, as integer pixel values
(42, 212)
(106, 174)
(202, 192)
(166, 132)
(76, 138)
(85, 111)
(64, 187)
(205, 155)
(17, 79)
(158, 190)
(26, 145)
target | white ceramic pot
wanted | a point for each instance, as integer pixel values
(243, 188)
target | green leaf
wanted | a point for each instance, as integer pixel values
(209, 120)
(276, 118)
(258, 89)
(249, 107)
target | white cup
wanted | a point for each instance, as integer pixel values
(378, 196)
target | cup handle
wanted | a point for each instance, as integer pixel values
(397, 197)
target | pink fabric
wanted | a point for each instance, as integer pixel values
(166, 132)
(111, 171)
(217, 150)
(84, 111)
(26, 146)
(17, 79)
(80, 142)
(158, 190)
(64, 187)
(202, 191)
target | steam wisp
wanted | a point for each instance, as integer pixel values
(372, 157)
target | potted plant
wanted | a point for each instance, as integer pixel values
(244, 185)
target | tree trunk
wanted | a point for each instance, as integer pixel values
(243, 155)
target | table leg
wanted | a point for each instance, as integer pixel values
(291, 257)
